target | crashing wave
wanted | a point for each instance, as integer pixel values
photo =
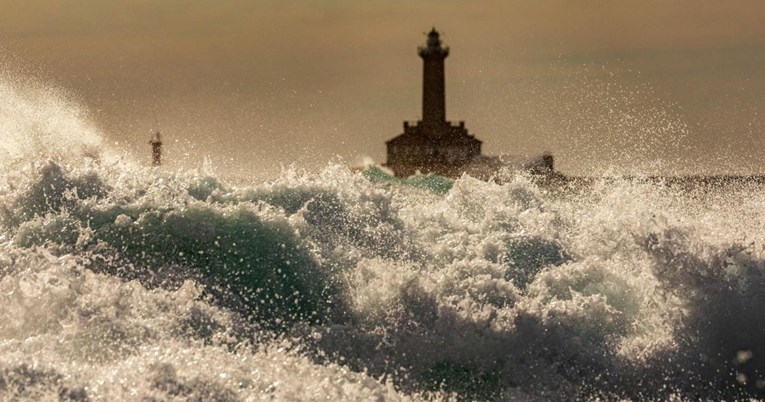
(124, 282)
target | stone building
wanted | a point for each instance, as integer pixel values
(433, 144)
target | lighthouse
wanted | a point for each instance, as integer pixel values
(433, 87)
(432, 144)
(156, 150)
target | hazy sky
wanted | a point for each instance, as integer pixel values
(670, 86)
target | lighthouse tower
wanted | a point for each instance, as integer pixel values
(156, 150)
(433, 87)
(433, 144)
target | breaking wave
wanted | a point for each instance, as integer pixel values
(120, 282)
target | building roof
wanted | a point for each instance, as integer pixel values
(419, 139)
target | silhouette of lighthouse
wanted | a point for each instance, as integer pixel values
(433, 87)
(433, 144)
(156, 150)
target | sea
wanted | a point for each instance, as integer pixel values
(124, 282)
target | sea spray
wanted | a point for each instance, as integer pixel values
(40, 121)
(120, 282)
(488, 291)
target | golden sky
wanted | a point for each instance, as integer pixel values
(638, 86)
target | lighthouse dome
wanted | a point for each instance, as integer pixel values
(433, 38)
